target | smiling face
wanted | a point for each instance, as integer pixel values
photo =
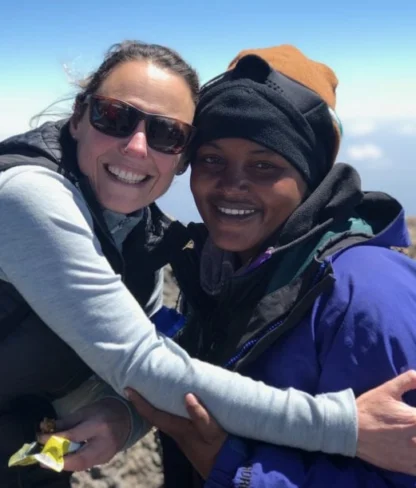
(126, 174)
(244, 192)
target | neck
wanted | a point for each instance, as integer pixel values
(244, 257)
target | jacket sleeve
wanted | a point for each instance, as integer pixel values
(50, 254)
(364, 336)
(248, 464)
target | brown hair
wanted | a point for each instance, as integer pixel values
(125, 51)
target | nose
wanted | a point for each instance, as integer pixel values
(233, 180)
(136, 145)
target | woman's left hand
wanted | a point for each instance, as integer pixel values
(104, 426)
(199, 438)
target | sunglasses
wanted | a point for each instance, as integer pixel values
(120, 119)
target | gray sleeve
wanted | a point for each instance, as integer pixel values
(138, 426)
(49, 252)
(94, 390)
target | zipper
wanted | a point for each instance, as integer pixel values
(248, 345)
(245, 479)
(251, 343)
(104, 230)
(119, 226)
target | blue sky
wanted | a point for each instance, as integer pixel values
(371, 46)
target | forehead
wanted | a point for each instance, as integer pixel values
(239, 144)
(150, 88)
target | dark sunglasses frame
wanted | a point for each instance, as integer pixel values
(186, 130)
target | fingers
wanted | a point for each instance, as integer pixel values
(63, 424)
(205, 424)
(86, 457)
(70, 420)
(81, 432)
(402, 384)
(198, 414)
(43, 438)
(74, 435)
(172, 425)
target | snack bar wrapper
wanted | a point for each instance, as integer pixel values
(50, 455)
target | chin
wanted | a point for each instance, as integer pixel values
(120, 207)
(230, 245)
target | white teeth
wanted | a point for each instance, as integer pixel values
(125, 176)
(235, 211)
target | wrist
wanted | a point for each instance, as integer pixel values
(233, 454)
(120, 405)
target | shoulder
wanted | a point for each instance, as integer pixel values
(375, 289)
(37, 192)
(373, 267)
(364, 329)
(21, 176)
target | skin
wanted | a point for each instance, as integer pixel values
(240, 174)
(154, 90)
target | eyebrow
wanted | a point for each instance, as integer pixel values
(263, 151)
(121, 97)
(252, 151)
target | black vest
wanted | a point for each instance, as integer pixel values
(40, 366)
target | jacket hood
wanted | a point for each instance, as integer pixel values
(338, 199)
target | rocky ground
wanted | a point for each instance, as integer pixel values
(140, 467)
(412, 228)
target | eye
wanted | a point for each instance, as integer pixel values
(266, 165)
(265, 170)
(209, 160)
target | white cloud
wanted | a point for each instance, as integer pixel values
(359, 128)
(19, 110)
(365, 152)
(408, 129)
(374, 98)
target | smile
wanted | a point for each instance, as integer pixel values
(126, 176)
(235, 211)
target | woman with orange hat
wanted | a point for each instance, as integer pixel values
(291, 280)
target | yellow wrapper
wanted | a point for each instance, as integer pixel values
(50, 455)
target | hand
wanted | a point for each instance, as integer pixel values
(104, 426)
(387, 426)
(199, 438)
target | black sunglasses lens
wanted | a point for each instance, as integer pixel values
(166, 135)
(118, 119)
(113, 118)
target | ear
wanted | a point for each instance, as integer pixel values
(183, 164)
(74, 127)
(78, 113)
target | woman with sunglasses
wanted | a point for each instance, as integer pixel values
(79, 229)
